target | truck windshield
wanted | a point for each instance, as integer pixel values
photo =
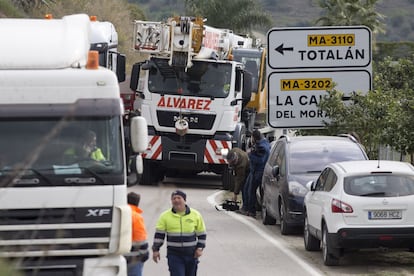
(203, 79)
(47, 151)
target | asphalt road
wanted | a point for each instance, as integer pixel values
(240, 245)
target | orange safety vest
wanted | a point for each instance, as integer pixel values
(139, 232)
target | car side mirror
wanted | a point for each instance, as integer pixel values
(275, 171)
(310, 185)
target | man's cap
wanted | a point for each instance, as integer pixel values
(179, 193)
(231, 156)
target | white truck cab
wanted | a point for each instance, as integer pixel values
(61, 211)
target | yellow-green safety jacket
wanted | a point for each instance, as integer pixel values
(185, 233)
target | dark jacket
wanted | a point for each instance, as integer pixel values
(241, 169)
(258, 158)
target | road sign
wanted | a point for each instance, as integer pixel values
(303, 63)
(295, 95)
(319, 47)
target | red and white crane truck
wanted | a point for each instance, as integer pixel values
(192, 95)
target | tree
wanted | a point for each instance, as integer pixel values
(350, 13)
(241, 16)
(383, 116)
(361, 114)
(395, 79)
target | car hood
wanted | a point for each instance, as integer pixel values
(303, 178)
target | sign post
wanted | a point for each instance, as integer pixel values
(303, 63)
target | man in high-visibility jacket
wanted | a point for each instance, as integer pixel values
(186, 236)
(86, 149)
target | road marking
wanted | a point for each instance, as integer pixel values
(279, 243)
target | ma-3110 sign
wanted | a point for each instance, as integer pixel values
(303, 63)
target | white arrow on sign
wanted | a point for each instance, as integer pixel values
(319, 47)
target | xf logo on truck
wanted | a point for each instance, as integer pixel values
(93, 214)
(186, 103)
(98, 212)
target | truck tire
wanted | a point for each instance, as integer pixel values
(147, 175)
(227, 179)
(241, 138)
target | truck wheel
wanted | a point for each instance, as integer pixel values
(147, 175)
(242, 138)
(227, 179)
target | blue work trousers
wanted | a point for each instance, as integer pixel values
(182, 265)
(249, 191)
(245, 192)
(135, 269)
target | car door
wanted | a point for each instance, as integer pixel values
(271, 191)
(279, 181)
(316, 199)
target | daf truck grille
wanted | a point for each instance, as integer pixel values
(39, 232)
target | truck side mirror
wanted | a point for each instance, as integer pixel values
(139, 134)
(136, 68)
(120, 67)
(237, 86)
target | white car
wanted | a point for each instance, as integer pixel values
(360, 204)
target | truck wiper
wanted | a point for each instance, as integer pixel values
(374, 194)
(19, 177)
(313, 171)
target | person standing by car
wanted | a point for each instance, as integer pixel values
(186, 236)
(239, 162)
(258, 157)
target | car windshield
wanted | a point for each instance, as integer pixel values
(312, 156)
(379, 185)
(52, 150)
(203, 79)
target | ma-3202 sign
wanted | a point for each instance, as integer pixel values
(302, 64)
(295, 106)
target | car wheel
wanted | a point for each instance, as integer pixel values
(285, 228)
(328, 252)
(266, 218)
(311, 243)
